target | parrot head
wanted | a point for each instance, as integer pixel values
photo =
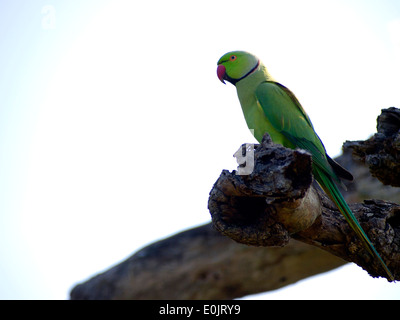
(236, 65)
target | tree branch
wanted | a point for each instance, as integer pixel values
(202, 264)
(381, 153)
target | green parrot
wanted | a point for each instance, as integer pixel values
(270, 107)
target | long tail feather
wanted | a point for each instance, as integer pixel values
(333, 192)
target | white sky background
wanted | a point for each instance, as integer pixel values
(114, 126)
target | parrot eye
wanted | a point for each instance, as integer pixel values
(232, 58)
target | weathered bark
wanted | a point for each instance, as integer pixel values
(202, 264)
(381, 153)
(277, 201)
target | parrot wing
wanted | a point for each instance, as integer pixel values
(286, 115)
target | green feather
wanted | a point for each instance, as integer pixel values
(332, 190)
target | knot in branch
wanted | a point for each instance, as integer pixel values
(272, 202)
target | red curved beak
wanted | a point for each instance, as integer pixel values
(221, 71)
